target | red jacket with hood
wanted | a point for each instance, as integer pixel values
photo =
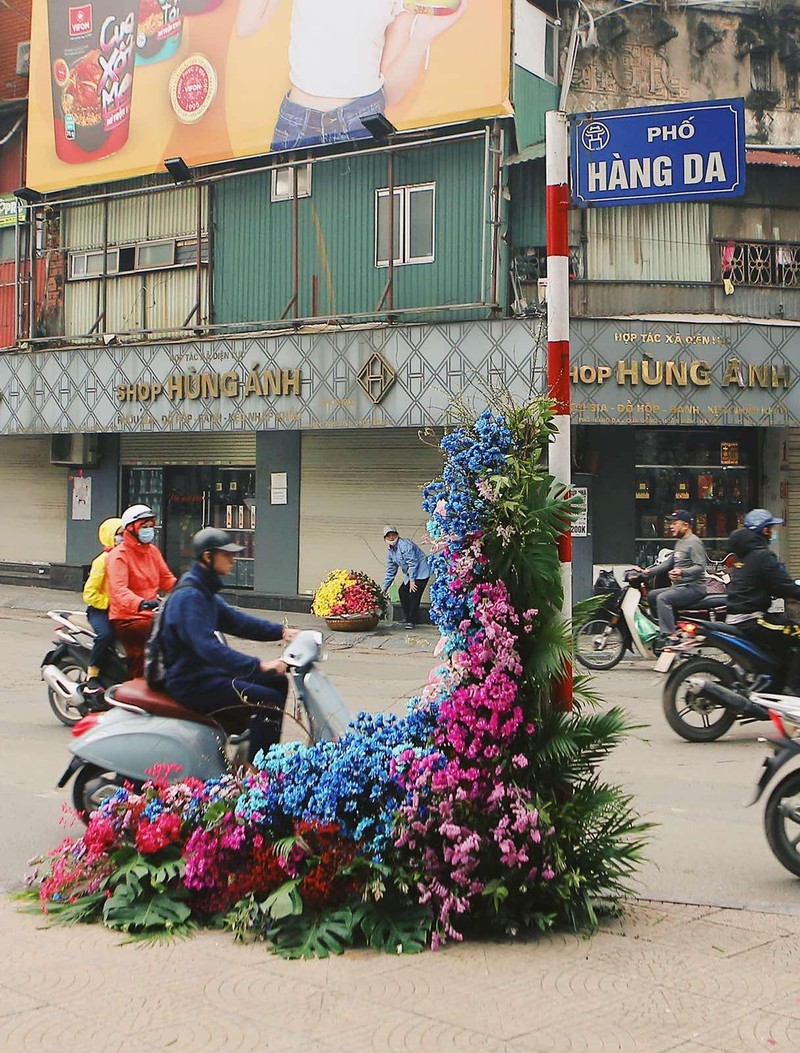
(135, 572)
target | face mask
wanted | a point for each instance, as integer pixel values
(147, 535)
(118, 539)
(773, 538)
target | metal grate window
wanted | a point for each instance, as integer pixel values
(762, 263)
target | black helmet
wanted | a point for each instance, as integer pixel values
(212, 539)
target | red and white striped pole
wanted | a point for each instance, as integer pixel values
(558, 380)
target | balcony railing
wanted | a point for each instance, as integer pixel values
(768, 264)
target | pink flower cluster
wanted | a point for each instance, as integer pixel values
(465, 821)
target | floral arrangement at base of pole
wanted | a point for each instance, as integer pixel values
(349, 600)
(483, 810)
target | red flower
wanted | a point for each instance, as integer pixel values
(152, 837)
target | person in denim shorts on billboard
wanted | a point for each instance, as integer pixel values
(348, 59)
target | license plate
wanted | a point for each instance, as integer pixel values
(665, 660)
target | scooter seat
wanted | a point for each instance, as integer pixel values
(710, 603)
(79, 618)
(138, 693)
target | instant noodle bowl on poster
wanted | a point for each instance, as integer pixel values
(91, 67)
(160, 30)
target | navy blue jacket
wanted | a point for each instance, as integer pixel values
(194, 658)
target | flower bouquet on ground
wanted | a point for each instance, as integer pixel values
(349, 598)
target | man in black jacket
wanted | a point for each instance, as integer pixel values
(756, 579)
(202, 672)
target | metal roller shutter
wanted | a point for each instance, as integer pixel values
(33, 496)
(793, 501)
(352, 484)
(235, 448)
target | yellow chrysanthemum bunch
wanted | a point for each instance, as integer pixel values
(348, 592)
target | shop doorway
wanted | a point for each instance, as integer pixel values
(187, 498)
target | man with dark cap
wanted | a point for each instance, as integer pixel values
(202, 672)
(686, 569)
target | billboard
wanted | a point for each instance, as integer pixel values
(117, 86)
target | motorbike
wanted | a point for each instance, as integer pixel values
(782, 810)
(65, 664)
(693, 706)
(146, 729)
(623, 623)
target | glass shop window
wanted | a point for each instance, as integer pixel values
(709, 472)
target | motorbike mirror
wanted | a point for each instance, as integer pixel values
(303, 649)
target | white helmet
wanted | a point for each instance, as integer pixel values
(135, 513)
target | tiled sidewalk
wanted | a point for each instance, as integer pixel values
(666, 978)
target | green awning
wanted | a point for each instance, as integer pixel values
(530, 153)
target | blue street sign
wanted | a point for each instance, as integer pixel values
(690, 151)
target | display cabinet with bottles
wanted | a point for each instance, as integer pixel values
(711, 473)
(186, 498)
(145, 486)
(232, 507)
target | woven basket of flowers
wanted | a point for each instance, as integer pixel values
(349, 601)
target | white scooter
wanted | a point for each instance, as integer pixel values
(145, 729)
(624, 623)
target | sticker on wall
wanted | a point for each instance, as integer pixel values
(279, 488)
(643, 491)
(682, 492)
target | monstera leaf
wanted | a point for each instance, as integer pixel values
(395, 930)
(307, 936)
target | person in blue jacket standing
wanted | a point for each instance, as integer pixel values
(406, 555)
(204, 674)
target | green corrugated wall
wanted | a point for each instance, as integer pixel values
(527, 222)
(253, 238)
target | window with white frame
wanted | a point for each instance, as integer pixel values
(162, 254)
(90, 264)
(150, 255)
(284, 179)
(411, 224)
(551, 51)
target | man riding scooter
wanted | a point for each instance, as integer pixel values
(686, 569)
(205, 674)
(756, 579)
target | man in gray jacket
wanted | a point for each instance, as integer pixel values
(686, 567)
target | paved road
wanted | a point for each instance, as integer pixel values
(670, 977)
(708, 848)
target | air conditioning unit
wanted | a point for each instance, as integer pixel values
(24, 58)
(74, 451)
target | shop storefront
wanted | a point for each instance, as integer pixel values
(682, 415)
(302, 445)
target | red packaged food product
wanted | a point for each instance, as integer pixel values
(92, 49)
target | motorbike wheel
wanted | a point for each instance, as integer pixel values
(599, 644)
(782, 822)
(693, 718)
(90, 788)
(66, 714)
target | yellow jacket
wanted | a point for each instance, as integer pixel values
(95, 591)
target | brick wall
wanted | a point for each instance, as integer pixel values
(15, 26)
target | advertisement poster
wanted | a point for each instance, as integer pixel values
(117, 86)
